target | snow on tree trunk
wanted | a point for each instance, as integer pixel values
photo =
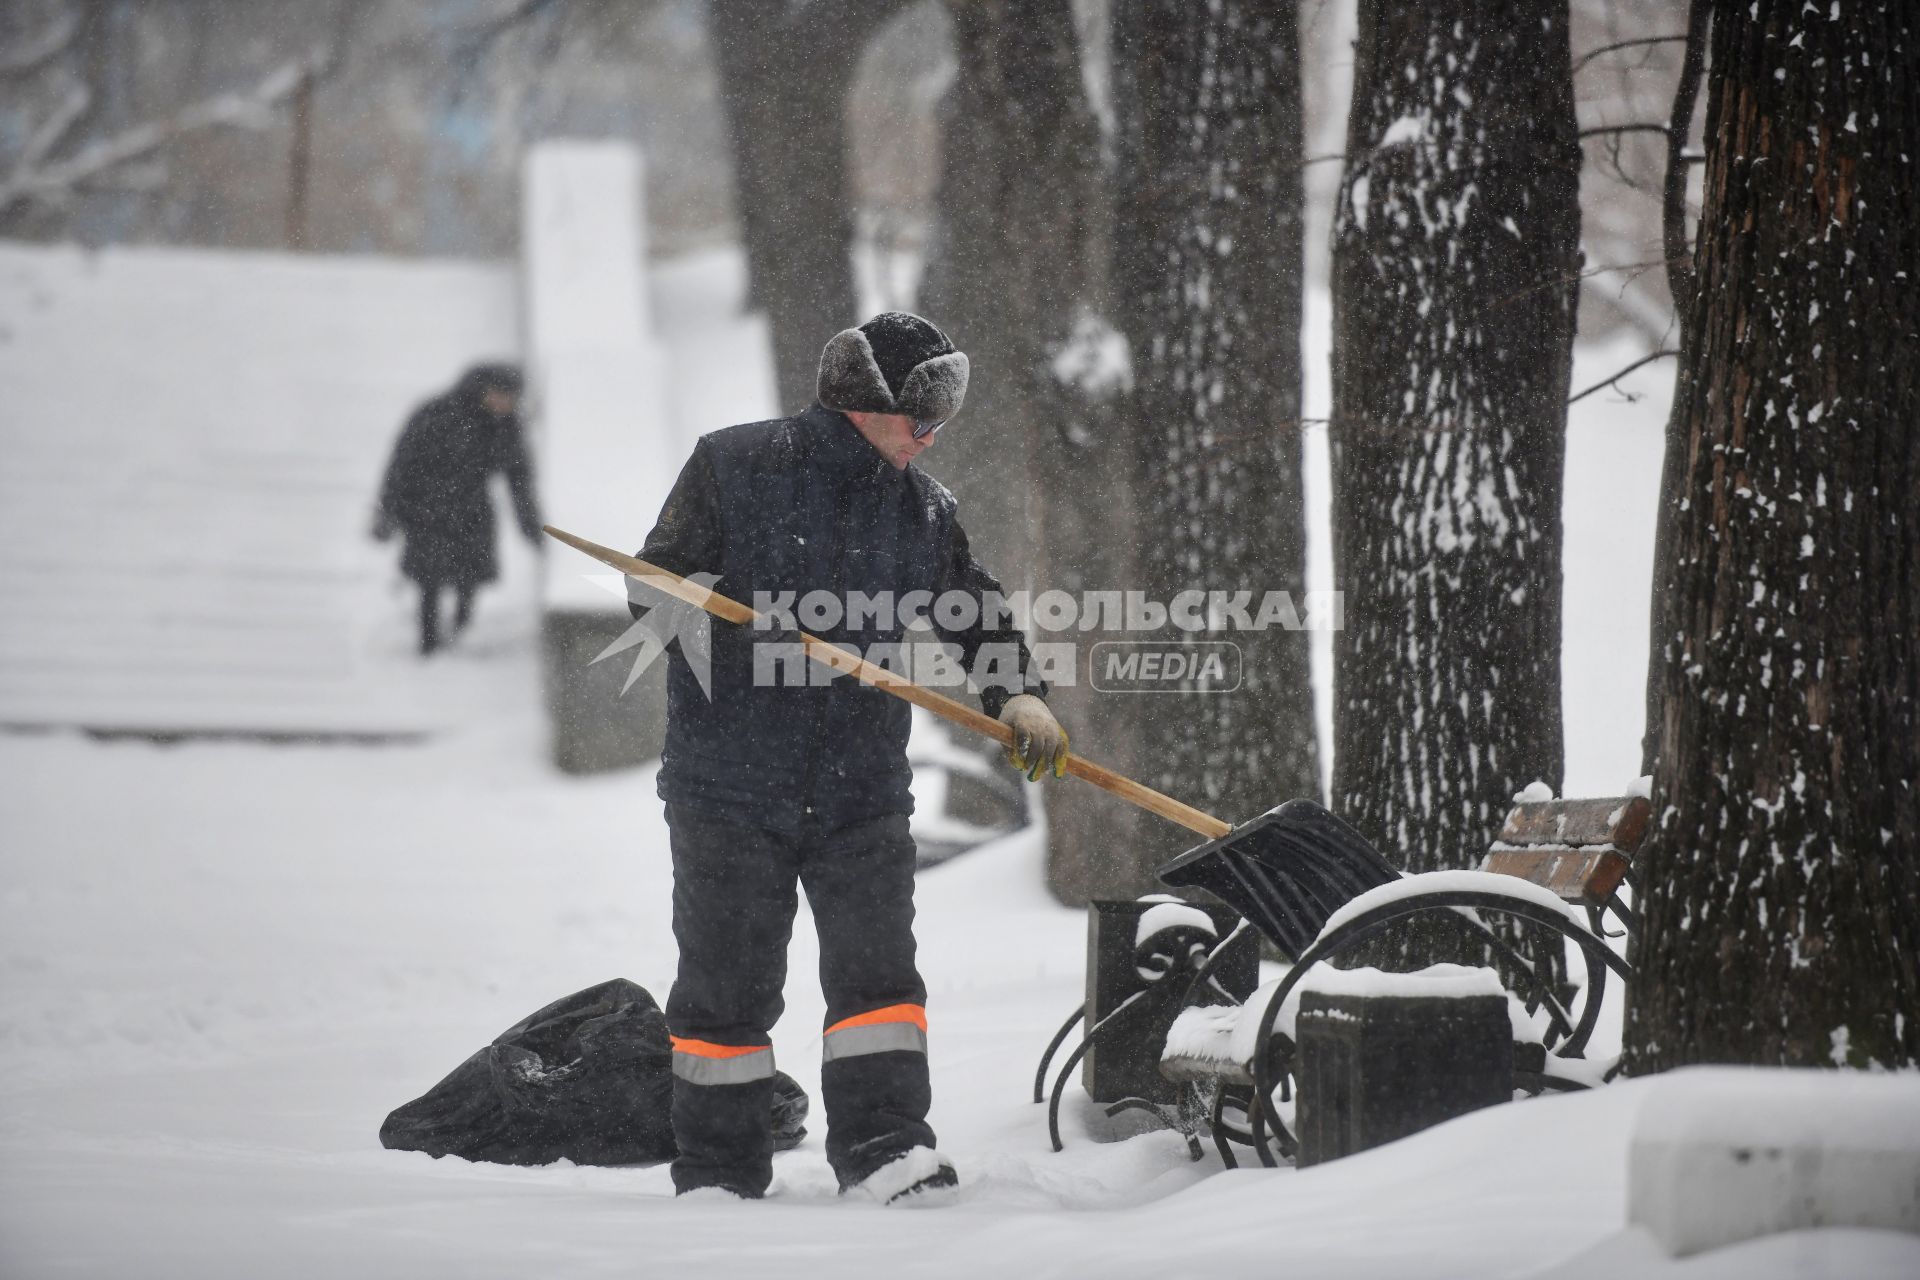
(1208, 241)
(1014, 278)
(783, 84)
(1455, 250)
(1779, 923)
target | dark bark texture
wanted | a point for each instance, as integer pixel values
(1208, 262)
(784, 73)
(1014, 276)
(1455, 250)
(1012, 267)
(1676, 244)
(1781, 914)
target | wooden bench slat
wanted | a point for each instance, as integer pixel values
(1588, 875)
(1621, 822)
(1183, 1069)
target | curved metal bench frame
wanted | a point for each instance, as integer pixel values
(1367, 924)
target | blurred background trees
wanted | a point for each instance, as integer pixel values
(1209, 281)
(412, 136)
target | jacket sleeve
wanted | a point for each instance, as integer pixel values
(998, 636)
(517, 464)
(687, 537)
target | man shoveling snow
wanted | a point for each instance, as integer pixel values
(772, 783)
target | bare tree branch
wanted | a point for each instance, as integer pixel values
(1602, 385)
(1618, 45)
(50, 44)
(253, 108)
(75, 100)
(1603, 130)
(475, 42)
(1613, 133)
(1551, 282)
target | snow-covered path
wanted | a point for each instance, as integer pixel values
(221, 964)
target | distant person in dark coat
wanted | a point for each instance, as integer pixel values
(435, 491)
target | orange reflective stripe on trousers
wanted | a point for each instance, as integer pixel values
(703, 1062)
(895, 1028)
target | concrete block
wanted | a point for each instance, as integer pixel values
(1384, 1055)
(595, 726)
(1725, 1154)
(1134, 946)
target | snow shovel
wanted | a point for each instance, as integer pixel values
(1286, 870)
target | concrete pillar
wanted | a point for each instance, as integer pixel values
(607, 452)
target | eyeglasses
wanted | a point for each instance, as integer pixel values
(921, 430)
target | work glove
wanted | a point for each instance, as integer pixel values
(1039, 743)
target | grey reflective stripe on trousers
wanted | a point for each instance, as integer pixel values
(881, 1037)
(695, 1068)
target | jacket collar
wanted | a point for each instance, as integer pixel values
(836, 446)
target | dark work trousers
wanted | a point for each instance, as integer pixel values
(430, 612)
(734, 896)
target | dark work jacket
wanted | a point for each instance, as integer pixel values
(435, 489)
(794, 505)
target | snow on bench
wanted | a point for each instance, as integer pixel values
(1220, 1040)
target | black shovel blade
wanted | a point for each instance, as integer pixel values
(1286, 871)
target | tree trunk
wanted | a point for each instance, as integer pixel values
(784, 74)
(1012, 266)
(1455, 250)
(1681, 276)
(1208, 271)
(1779, 924)
(1014, 277)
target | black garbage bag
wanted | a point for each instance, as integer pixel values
(589, 1078)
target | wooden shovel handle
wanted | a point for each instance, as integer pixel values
(889, 682)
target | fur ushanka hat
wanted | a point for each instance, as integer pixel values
(894, 363)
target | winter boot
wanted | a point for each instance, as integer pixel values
(919, 1178)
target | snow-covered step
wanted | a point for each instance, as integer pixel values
(189, 445)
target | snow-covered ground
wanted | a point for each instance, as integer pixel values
(222, 963)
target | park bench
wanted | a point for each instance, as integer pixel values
(1558, 865)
